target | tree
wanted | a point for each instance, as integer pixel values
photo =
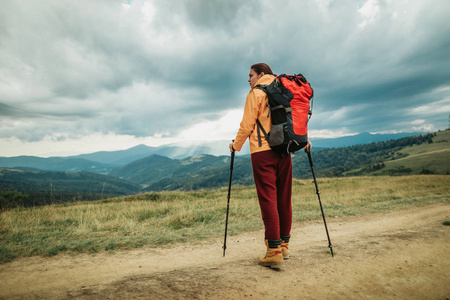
(11, 199)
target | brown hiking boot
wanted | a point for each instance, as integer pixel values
(285, 250)
(273, 258)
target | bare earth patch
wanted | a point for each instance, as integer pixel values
(398, 255)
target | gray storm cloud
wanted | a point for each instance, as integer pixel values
(142, 68)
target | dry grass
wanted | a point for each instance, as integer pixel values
(157, 219)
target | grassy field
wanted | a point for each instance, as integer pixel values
(159, 219)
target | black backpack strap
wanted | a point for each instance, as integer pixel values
(311, 102)
(258, 128)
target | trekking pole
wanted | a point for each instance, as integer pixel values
(320, 202)
(228, 203)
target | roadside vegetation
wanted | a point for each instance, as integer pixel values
(159, 219)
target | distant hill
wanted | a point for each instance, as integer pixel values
(430, 157)
(208, 178)
(359, 139)
(210, 171)
(104, 162)
(423, 154)
(101, 162)
(373, 159)
(44, 187)
(147, 170)
(123, 157)
(67, 164)
(158, 172)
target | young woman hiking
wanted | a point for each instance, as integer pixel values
(271, 172)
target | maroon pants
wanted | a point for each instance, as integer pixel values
(273, 180)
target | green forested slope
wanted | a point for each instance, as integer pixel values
(45, 187)
(424, 154)
(354, 160)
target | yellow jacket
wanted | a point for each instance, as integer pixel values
(255, 108)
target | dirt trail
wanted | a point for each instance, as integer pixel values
(398, 255)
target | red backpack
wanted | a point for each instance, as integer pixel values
(289, 103)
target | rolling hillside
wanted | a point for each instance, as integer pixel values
(427, 158)
(123, 157)
(158, 173)
(424, 154)
(66, 164)
(45, 187)
(103, 162)
(359, 139)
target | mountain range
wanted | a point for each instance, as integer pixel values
(104, 162)
(156, 172)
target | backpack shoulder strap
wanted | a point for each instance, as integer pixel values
(260, 128)
(261, 87)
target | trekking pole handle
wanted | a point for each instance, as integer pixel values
(231, 147)
(232, 159)
(308, 147)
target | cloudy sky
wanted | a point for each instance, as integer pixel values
(81, 76)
